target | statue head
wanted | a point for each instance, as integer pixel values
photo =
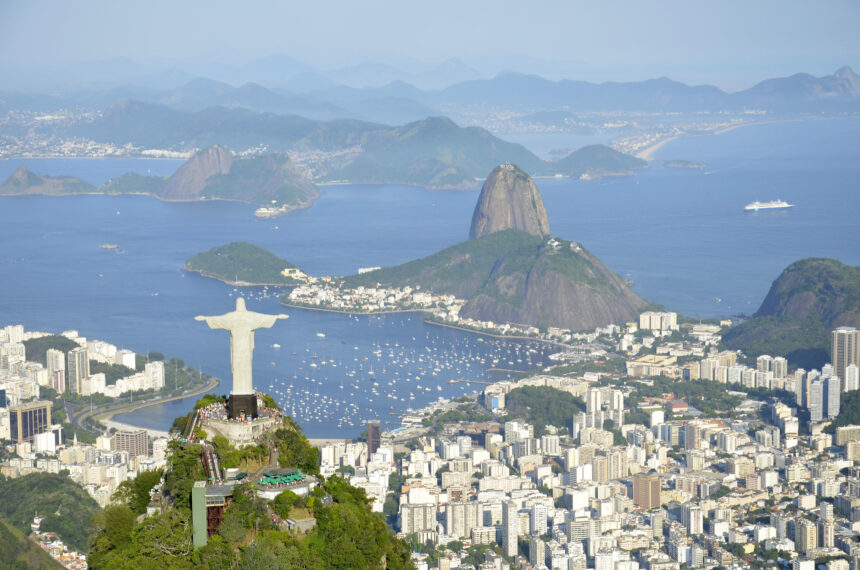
(240, 304)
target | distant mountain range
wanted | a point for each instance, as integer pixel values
(340, 95)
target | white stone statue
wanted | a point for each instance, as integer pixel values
(241, 323)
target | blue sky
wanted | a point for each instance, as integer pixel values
(729, 41)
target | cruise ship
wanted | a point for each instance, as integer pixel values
(773, 205)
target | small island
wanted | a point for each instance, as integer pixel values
(685, 164)
(245, 264)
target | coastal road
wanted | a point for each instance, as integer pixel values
(82, 417)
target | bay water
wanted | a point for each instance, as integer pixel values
(681, 235)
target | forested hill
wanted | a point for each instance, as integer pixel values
(242, 263)
(805, 303)
(18, 551)
(67, 507)
(512, 276)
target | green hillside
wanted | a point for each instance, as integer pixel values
(595, 160)
(459, 270)
(512, 276)
(434, 152)
(805, 303)
(19, 552)
(241, 262)
(46, 494)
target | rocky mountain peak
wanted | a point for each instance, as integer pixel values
(187, 182)
(509, 199)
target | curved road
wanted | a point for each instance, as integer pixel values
(80, 416)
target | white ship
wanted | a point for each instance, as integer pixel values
(773, 205)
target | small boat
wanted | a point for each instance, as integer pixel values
(321, 335)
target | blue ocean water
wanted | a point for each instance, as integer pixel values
(681, 235)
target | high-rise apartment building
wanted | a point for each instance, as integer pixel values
(693, 518)
(646, 491)
(831, 396)
(28, 420)
(805, 535)
(135, 442)
(510, 528)
(78, 369)
(374, 436)
(845, 349)
(462, 517)
(815, 402)
(537, 551)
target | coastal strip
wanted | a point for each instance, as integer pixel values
(428, 321)
(106, 415)
(494, 335)
(352, 312)
(236, 283)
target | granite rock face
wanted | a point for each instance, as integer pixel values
(509, 200)
(190, 179)
(560, 285)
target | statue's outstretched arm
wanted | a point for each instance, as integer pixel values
(216, 322)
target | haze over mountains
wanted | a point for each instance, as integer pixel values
(383, 94)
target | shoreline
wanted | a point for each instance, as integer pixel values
(494, 335)
(346, 312)
(106, 416)
(431, 322)
(237, 283)
(647, 153)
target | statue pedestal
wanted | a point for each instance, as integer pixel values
(242, 404)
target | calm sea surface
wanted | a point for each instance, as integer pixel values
(681, 235)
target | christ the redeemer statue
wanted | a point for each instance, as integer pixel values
(241, 323)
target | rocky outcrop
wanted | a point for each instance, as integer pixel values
(188, 182)
(509, 200)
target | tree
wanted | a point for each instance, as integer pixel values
(136, 493)
(284, 502)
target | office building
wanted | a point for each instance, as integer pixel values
(374, 436)
(28, 420)
(845, 349)
(78, 369)
(646, 491)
